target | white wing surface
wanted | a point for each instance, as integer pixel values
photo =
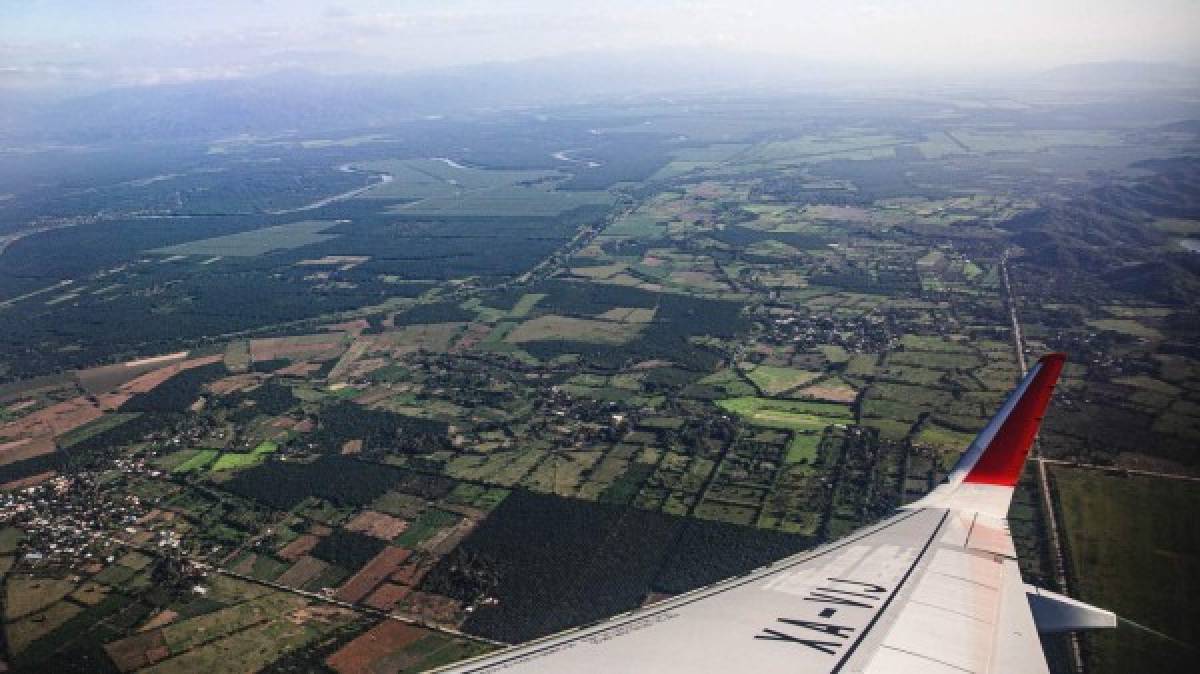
(935, 588)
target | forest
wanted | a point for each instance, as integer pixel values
(380, 430)
(588, 299)
(271, 398)
(338, 479)
(177, 393)
(157, 305)
(347, 549)
(597, 560)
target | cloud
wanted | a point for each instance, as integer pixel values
(177, 39)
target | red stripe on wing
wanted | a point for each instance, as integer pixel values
(1001, 462)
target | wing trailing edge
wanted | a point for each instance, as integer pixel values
(984, 477)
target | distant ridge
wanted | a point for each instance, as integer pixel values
(1122, 74)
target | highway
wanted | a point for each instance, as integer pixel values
(1118, 469)
(1056, 552)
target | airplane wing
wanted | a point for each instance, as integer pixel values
(935, 588)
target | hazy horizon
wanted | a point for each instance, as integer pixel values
(75, 46)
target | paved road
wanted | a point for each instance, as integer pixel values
(1119, 469)
(1058, 559)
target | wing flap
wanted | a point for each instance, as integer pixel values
(943, 636)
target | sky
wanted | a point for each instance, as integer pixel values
(99, 43)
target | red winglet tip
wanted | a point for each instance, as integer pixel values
(1002, 460)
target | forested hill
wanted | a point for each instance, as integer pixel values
(1109, 236)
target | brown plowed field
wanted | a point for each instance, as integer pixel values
(387, 596)
(367, 654)
(140, 650)
(379, 525)
(371, 575)
(299, 547)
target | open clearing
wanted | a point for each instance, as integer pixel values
(787, 414)
(233, 461)
(199, 460)
(567, 328)
(108, 377)
(1133, 545)
(257, 241)
(1125, 326)
(773, 380)
(501, 201)
(436, 187)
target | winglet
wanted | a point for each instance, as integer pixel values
(1004, 453)
(984, 477)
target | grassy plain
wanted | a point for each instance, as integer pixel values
(1134, 548)
(788, 414)
(568, 328)
(236, 460)
(438, 187)
(255, 241)
(199, 460)
(773, 380)
(1126, 326)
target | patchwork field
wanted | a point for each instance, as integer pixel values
(573, 362)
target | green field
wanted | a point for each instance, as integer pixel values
(568, 328)
(1125, 326)
(729, 382)
(787, 414)
(256, 241)
(839, 145)
(773, 380)
(834, 353)
(427, 524)
(802, 448)
(636, 226)
(1134, 548)
(234, 460)
(504, 200)
(943, 438)
(440, 187)
(422, 178)
(526, 304)
(198, 461)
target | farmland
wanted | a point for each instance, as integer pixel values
(1120, 533)
(742, 332)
